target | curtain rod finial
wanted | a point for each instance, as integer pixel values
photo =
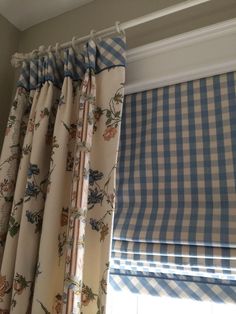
(16, 59)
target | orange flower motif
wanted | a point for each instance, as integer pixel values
(85, 299)
(31, 126)
(104, 232)
(18, 287)
(73, 131)
(4, 286)
(57, 307)
(87, 295)
(97, 113)
(7, 186)
(109, 133)
(20, 284)
(64, 217)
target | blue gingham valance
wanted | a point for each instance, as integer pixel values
(175, 224)
(100, 55)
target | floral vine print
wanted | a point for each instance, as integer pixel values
(12, 158)
(6, 186)
(20, 284)
(97, 194)
(113, 115)
(43, 307)
(14, 226)
(57, 305)
(72, 130)
(89, 296)
(12, 119)
(4, 286)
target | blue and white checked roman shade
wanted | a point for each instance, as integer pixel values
(175, 223)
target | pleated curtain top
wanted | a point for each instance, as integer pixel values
(98, 56)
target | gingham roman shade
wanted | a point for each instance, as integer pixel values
(175, 223)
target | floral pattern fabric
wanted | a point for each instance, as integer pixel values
(57, 175)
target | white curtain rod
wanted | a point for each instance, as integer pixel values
(18, 58)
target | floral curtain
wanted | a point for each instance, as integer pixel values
(57, 175)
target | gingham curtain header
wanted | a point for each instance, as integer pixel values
(53, 67)
(177, 188)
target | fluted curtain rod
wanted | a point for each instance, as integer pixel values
(18, 58)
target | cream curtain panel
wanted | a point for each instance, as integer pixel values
(57, 175)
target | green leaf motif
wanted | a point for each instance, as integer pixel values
(61, 244)
(14, 226)
(108, 121)
(118, 98)
(45, 310)
(108, 114)
(14, 105)
(100, 310)
(45, 112)
(13, 303)
(117, 114)
(38, 271)
(8, 198)
(66, 126)
(26, 150)
(98, 302)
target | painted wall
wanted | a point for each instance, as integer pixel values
(9, 40)
(103, 13)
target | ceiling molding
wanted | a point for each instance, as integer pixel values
(200, 53)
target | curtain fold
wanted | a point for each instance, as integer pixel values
(175, 224)
(57, 180)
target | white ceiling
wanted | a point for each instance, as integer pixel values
(26, 13)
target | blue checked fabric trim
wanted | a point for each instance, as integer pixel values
(105, 54)
(205, 261)
(176, 186)
(175, 286)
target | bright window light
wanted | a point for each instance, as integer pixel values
(128, 303)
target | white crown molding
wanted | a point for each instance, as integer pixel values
(180, 77)
(200, 53)
(201, 34)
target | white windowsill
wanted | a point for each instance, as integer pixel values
(128, 303)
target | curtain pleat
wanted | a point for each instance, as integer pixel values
(66, 114)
